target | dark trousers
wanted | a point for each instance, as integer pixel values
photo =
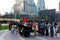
(39, 31)
(42, 31)
(9, 28)
(47, 33)
(51, 33)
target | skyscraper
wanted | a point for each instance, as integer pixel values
(35, 8)
(17, 1)
(40, 5)
(24, 6)
(59, 6)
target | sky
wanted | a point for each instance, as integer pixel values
(6, 5)
(51, 4)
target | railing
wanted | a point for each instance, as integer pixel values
(7, 19)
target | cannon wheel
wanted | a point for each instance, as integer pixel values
(20, 33)
(26, 33)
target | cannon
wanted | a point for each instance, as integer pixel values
(23, 30)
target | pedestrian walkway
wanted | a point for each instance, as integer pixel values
(3, 31)
(49, 38)
(11, 36)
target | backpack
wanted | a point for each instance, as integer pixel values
(42, 25)
(51, 27)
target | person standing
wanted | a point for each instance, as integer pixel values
(57, 31)
(16, 30)
(30, 26)
(10, 25)
(25, 24)
(13, 29)
(39, 28)
(42, 28)
(34, 26)
(0, 26)
(51, 29)
(55, 26)
(46, 28)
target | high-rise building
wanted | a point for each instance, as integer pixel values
(40, 5)
(59, 6)
(17, 1)
(24, 6)
(35, 8)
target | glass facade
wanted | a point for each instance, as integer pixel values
(41, 5)
(25, 6)
(59, 6)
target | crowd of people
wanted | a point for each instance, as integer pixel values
(44, 28)
(47, 28)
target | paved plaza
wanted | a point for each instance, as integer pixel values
(7, 35)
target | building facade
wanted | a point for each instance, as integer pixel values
(40, 5)
(59, 6)
(49, 14)
(24, 6)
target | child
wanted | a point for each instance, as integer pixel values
(16, 30)
(13, 29)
